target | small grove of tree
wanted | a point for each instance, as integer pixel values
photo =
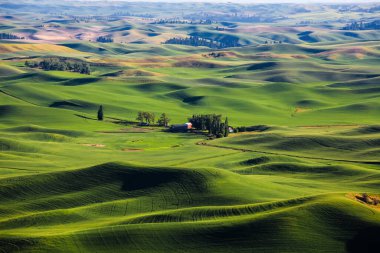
(9, 36)
(100, 113)
(104, 39)
(211, 43)
(374, 25)
(146, 117)
(210, 122)
(163, 120)
(60, 64)
(273, 42)
(179, 21)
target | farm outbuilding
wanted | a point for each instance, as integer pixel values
(181, 127)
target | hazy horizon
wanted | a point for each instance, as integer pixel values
(244, 1)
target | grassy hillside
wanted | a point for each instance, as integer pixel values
(159, 209)
(305, 178)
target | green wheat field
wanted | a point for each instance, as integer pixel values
(303, 177)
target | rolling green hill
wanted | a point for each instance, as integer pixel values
(303, 177)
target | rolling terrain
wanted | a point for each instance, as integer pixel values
(297, 183)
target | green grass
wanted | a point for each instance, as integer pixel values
(71, 183)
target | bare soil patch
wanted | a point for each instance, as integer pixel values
(371, 200)
(132, 149)
(95, 145)
(301, 110)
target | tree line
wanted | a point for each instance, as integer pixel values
(272, 42)
(179, 21)
(130, 14)
(60, 64)
(9, 36)
(212, 123)
(87, 19)
(142, 117)
(211, 43)
(104, 39)
(149, 117)
(375, 25)
(235, 17)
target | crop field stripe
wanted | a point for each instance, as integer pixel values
(204, 143)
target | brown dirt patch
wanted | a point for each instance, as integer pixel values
(93, 145)
(11, 48)
(371, 200)
(300, 110)
(132, 150)
(356, 52)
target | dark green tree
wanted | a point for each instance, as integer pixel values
(163, 120)
(100, 113)
(210, 122)
(140, 117)
(148, 117)
(226, 128)
(151, 117)
(9, 36)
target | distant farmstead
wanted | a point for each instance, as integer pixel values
(181, 127)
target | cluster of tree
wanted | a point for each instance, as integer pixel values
(212, 123)
(271, 42)
(169, 21)
(374, 25)
(215, 54)
(204, 122)
(142, 117)
(313, 22)
(163, 120)
(52, 26)
(149, 117)
(198, 41)
(220, 28)
(357, 8)
(181, 21)
(9, 36)
(235, 17)
(104, 39)
(130, 14)
(87, 19)
(70, 19)
(62, 64)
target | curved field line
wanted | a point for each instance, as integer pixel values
(12, 96)
(203, 143)
(203, 158)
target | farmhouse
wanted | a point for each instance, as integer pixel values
(181, 127)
